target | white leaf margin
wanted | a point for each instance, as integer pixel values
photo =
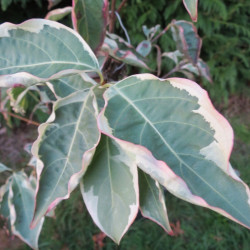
(75, 178)
(35, 26)
(13, 216)
(172, 182)
(132, 166)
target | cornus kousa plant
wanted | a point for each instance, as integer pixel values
(122, 141)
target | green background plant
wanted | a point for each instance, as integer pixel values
(223, 26)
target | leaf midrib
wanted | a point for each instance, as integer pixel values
(22, 198)
(47, 63)
(157, 204)
(172, 150)
(70, 149)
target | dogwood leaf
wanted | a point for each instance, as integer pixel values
(21, 205)
(39, 50)
(191, 7)
(152, 203)
(90, 20)
(64, 148)
(110, 189)
(185, 146)
(187, 40)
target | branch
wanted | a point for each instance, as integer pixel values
(175, 69)
(21, 118)
(163, 32)
(121, 5)
(112, 17)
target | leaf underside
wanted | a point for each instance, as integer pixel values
(152, 202)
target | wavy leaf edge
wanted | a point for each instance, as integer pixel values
(35, 25)
(75, 178)
(142, 154)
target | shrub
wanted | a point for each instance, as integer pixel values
(122, 140)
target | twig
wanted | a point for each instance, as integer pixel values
(175, 69)
(163, 32)
(158, 59)
(21, 118)
(112, 17)
(121, 5)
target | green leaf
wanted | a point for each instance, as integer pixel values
(4, 168)
(5, 202)
(174, 56)
(190, 68)
(204, 70)
(152, 202)
(119, 49)
(144, 48)
(90, 20)
(191, 7)
(22, 202)
(98, 92)
(187, 40)
(5, 4)
(39, 50)
(64, 148)
(67, 85)
(179, 139)
(58, 14)
(110, 189)
(150, 32)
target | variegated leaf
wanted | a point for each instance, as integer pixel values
(191, 7)
(98, 92)
(5, 202)
(58, 14)
(4, 168)
(174, 56)
(119, 49)
(190, 68)
(110, 189)
(185, 146)
(64, 148)
(187, 39)
(39, 50)
(152, 202)
(90, 20)
(150, 32)
(144, 48)
(21, 205)
(204, 70)
(67, 85)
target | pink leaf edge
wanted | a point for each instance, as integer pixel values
(73, 181)
(195, 17)
(142, 152)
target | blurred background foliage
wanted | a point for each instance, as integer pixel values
(224, 28)
(222, 24)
